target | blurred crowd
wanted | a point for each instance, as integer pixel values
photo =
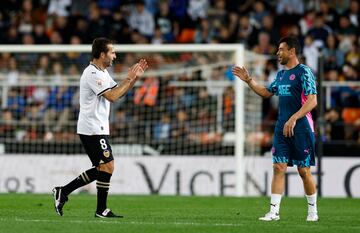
(328, 29)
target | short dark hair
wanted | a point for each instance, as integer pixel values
(99, 46)
(292, 42)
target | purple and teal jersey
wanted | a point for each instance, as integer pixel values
(293, 86)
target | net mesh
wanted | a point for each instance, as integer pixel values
(184, 105)
(258, 130)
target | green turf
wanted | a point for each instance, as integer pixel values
(34, 213)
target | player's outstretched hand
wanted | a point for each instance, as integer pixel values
(143, 64)
(242, 73)
(138, 69)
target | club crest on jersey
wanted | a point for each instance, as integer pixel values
(106, 153)
(99, 82)
(292, 77)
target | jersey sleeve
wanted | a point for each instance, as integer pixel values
(308, 82)
(273, 87)
(113, 84)
(100, 84)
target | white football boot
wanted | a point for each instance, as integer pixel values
(270, 216)
(312, 217)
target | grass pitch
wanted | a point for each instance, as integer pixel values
(32, 213)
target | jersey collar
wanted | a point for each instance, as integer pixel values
(91, 63)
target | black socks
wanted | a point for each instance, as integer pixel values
(102, 185)
(83, 179)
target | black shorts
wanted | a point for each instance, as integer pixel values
(97, 148)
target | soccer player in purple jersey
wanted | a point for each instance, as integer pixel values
(294, 142)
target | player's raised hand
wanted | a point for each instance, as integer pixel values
(242, 73)
(143, 64)
(138, 69)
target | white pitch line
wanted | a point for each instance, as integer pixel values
(125, 222)
(147, 223)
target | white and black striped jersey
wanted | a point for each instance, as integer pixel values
(94, 108)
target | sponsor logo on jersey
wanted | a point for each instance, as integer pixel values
(106, 153)
(284, 90)
(292, 77)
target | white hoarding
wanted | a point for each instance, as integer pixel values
(172, 175)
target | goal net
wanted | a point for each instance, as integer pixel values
(184, 105)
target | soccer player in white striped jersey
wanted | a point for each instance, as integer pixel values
(97, 90)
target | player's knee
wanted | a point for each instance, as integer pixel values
(304, 172)
(110, 166)
(107, 167)
(279, 168)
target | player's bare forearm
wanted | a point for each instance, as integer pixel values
(121, 90)
(242, 73)
(259, 89)
(309, 105)
(134, 73)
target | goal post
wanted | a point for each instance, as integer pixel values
(239, 126)
(212, 70)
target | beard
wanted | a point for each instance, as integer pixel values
(108, 63)
(284, 61)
